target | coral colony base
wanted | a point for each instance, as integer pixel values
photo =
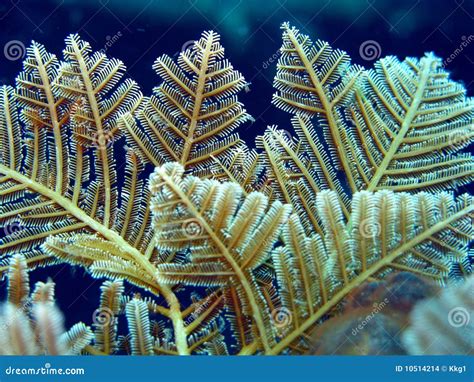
(288, 248)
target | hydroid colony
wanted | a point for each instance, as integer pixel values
(266, 242)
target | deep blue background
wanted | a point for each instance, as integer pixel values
(251, 35)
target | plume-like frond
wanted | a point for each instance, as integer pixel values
(18, 281)
(95, 83)
(139, 327)
(397, 127)
(40, 165)
(316, 79)
(105, 317)
(84, 95)
(300, 169)
(103, 258)
(10, 135)
(49, 324)
(193, 113)
(44, 292)
(230, 235)
(77, 338)
(228, 232)
(387, 232)
(16, 334)
(410, 122)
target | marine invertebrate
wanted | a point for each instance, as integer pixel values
(443, 324)
(386, 231)
(32, 324)
(192, 115)
(70, 113)
(398, 126)
(269, 241)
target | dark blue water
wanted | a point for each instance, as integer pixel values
(138, 33)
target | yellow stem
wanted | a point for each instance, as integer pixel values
(109, 234)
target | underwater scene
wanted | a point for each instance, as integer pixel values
(236, 177)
